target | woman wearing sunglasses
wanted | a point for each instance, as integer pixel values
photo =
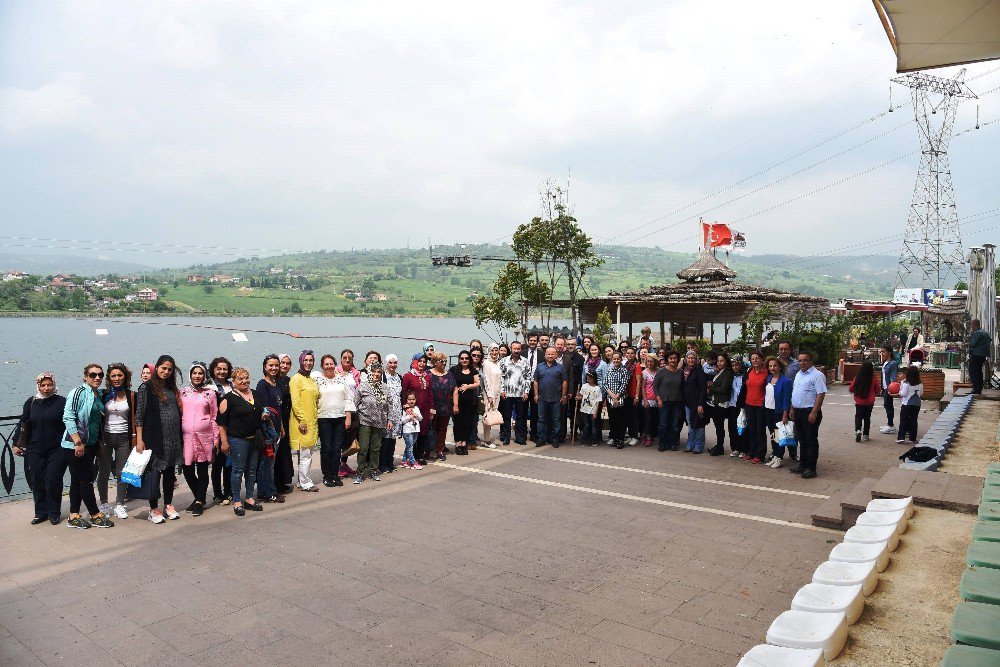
(84, 419)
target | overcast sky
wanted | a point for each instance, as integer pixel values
(305, 125)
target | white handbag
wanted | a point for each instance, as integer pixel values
(135, 465)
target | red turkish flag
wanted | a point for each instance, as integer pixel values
(716, 234)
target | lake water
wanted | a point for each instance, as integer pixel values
(63, 346)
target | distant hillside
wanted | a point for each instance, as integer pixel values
(80, 265)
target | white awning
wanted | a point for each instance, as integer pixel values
(939, 33)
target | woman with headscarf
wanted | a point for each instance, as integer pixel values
(445, 393)
(40, 435)
(373, 416)
(304, 424)
(240, 414)
(492, 382)
(394, 389)
(158, 427)
(219, 371)
(116, 442)
(695, 394)
(418, 381)
(146, 373)
(284, 471)
(83, 417)
(270, 392)
(199, 410)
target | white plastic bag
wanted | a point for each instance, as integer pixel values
(135, 465)
(786, 434)
(741, 422)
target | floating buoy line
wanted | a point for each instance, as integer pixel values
(290, 334)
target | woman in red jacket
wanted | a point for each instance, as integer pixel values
(865, 387)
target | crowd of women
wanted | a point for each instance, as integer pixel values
(253, 444)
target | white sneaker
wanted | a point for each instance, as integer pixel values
(632, 442)
(105, 508)
(775, 463)
(491, 445)
(887, 429)
(734, 453)
(121, 512)
(171, 513)
(611, 441)
(155, 516)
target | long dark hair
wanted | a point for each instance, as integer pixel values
(124, 369)
(864, 378)
(160, 386)
(912, 376)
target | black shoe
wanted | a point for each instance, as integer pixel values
(809, 473)
(255, 507)
(556, 444)
(197, 509)
(190, 508)
(330, 482)
(238, 510)
(661, 449)
(619, 445)
(337, 482)
(422, 462)
(37, 520)
(797, 470)
(441, 458)
(55, 521)
(539, 444)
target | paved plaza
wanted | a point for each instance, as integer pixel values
(522, 556)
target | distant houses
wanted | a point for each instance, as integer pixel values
(14, 275)
(147, 294)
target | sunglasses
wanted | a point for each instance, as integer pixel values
(94, 376)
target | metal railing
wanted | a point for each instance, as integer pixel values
(12, 477)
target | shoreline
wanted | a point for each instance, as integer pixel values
(113, 316)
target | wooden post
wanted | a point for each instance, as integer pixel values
(711, 333)
(630, 332)
(663, 330)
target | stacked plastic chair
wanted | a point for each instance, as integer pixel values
(941, 434)
(975, 623)
(815, 629)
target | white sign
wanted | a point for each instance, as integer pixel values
(240, 337)
(101, 332)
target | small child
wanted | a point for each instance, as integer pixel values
(411, 430)
(909, 404)
(590, 402)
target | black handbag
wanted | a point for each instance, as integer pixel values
(150, 488)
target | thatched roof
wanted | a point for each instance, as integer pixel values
(718, 301)
(705, 268)
(954, 307)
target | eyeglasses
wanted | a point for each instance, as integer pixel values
(95, 376)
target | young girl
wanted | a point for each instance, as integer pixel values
(590, 401)
(411, 430)
(865, 387)
(909, 404)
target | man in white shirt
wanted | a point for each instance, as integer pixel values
(808, 392)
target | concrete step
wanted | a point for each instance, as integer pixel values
(856, 501)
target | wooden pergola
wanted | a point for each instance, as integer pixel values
(707, 294)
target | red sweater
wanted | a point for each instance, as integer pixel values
(873, 391)
(756, 381)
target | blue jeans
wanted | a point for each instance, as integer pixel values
(548, 426)
(244, 455)
(696, 436)
(669, 431)
(265, 477)
(409, 439)
(587, 426)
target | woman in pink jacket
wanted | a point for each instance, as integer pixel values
(199, 408)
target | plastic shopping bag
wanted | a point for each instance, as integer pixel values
(741, 422)
(786, 434)
(134, 467)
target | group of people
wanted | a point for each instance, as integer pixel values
(254, 444)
